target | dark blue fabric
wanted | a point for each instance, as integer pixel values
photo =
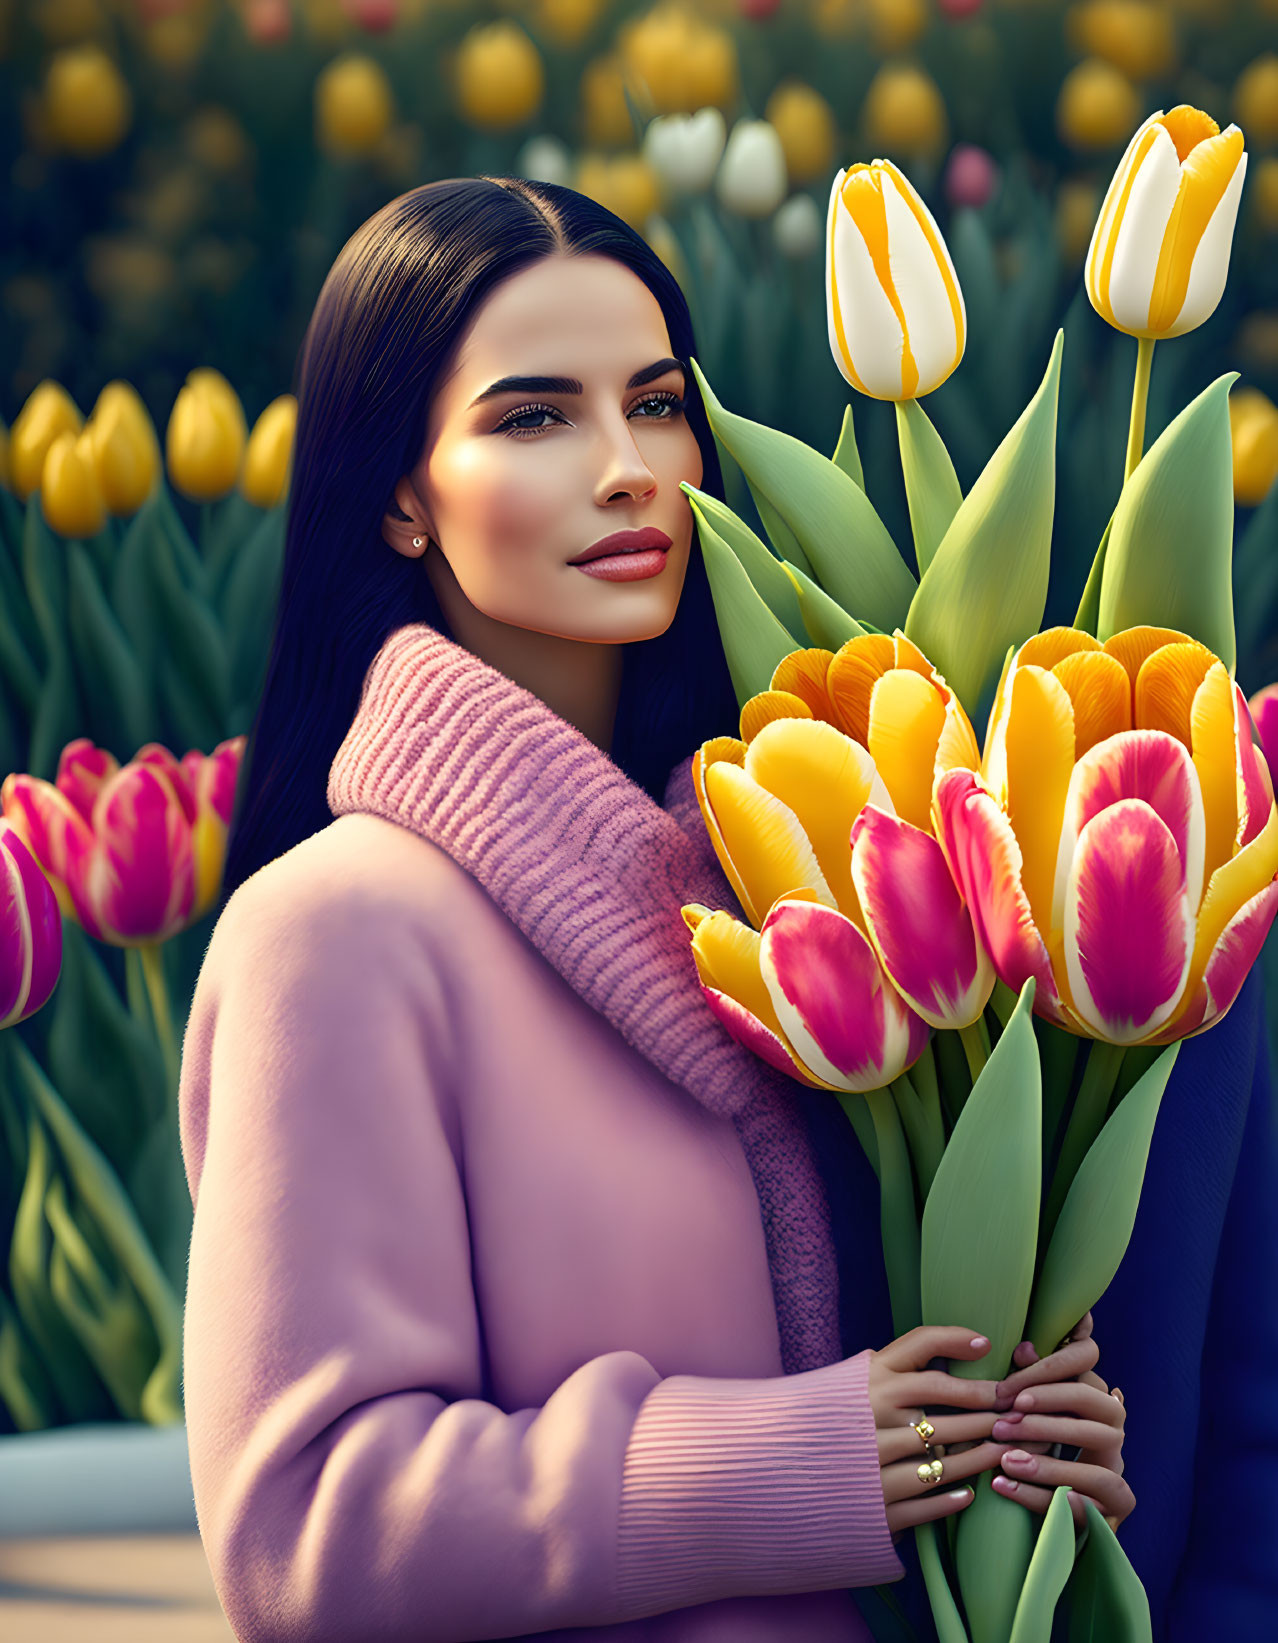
(1188, 1329)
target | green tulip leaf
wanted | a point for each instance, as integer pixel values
(980, 1223)
(1170, 546)
(115, 693)
(1108, 1604)
(1049, 1571)
(986, 588)
(25, 1388)
(785, 543)
(1095, 1223)
(754, 642)
(845, 543)
(761, 565)
(1087, 616)
(993, 1546)
(250, 596)
(931, 485)
(825, 621)
(846, 455)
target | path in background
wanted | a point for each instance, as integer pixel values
(109, 1589)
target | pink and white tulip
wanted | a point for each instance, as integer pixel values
(30, 931)
(133, 853)
(1120, 843)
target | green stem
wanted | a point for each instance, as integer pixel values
(925, 1081)
(1099, 1077)
(1140, 396)
(976, 1046)
(898, 1216)
(152, 962)
(859, 1117)
(949, 1625)
(923, 1148)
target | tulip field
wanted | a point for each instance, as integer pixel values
(179, 176)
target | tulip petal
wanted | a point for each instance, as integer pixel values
(1133, 645)
(1232, 885)
(56, 834)
(1129, 925)
(764, 839)
(1050, 647)
(139, 879)
(916, 919)
(803, 674)
(1166, 686)
(1039, 748)
(835, 1005)
(1104, 236)
(824, 779)
(733, 751)
(1255, 788)
(873, 353)
(1193, 258)
(1129, 268)
(748, 1030)
(1101, 694)
(1212, 734)
(854, 670)
(1148, 765)
(925, 282)
(986, 862)
(30, 931)
(767, 706)
(83, 771)
(907, 716)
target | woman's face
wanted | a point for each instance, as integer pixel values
(512, 485)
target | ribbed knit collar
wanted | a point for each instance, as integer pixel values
(593, 873)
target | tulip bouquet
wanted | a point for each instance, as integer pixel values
(989, 948)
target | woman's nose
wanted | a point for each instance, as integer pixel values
(623, 467)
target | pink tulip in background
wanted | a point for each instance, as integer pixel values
(1264, 710)
(1120, 842)
(30, 931)
(133, 853)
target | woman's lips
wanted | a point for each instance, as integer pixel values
(626, 567)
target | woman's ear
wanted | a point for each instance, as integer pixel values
(404, 527)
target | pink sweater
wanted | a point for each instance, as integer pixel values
(512, 1302)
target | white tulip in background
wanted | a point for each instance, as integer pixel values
(752, 178)
(1160, 250)
(684, 149)
(896, 318)
(545, 160)
(796, 228)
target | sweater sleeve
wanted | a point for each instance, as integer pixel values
(351, 1482)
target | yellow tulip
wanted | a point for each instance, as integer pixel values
(683, 62)
(353, 106)
(904, 112)
(1096, 105)
(626, 184)
(605, 118)
(70, 496)
(203, 446)
(836, 19)
(567, 22)
(1253, 427)
(1136, 36)
(126, 451)
(176, 41)
(895, 24)
(48, 412)
(86, 102)
(498, 76)
(710, 69)
(209, 381)
(269, 452)
(896, 317)
(1160, 252)
(1256, 98)
(804, 121)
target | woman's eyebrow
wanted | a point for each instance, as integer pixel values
(570, 385)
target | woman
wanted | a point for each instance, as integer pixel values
(512, 1301)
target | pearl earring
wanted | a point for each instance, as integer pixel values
(417, 541)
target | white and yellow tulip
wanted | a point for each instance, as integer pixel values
(897, 322)
(1159, 255)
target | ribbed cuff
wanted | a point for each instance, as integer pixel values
(749, 1487)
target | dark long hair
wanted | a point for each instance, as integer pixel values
(397, 301)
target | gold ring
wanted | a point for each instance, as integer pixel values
(925, 1430)
(930, 1472)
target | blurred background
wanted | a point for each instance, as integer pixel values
(176, 179)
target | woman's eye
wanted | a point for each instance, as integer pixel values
(513, 423)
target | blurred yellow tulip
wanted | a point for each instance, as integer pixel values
(1136, 36)
(903, 111)
(1160, 253)
(209, 381)
(204, 446)
(353, 106)
(683, 61)
(6, 478)
(126, 450)
(87, 105)
(804, 121)
(269, 452)
(1253, 427)
(662, 239)
(70, 496)
(605, 118)
(498, 77)
(48, 412)
(625, 183)
(895, 24)
(1097, 106)
(567, 22)
(1256, 98)
(176, 40)
(66, 22)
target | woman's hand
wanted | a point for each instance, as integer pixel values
(1059, 1399)
(900, 1384)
